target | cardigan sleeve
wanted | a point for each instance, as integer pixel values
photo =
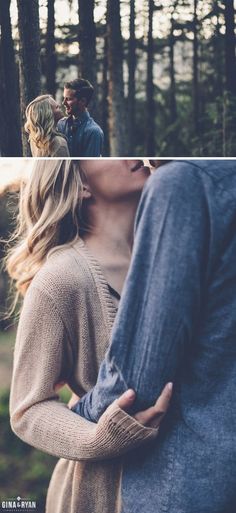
(38, 416)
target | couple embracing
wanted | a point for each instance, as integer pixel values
(123, 447)
(76, 135)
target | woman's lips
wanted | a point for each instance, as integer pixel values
(137, 166)
(140, 166)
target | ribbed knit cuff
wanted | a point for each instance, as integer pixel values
(123, 422)
(117, 433)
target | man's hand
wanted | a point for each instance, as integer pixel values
(153, 416)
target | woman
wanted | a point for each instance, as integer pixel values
(42, 115)
(76, 226)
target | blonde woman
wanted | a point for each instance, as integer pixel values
(42, 115)
(75, 238)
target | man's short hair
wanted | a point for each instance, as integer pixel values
(83, 88)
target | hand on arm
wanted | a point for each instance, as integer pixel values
(151, 417)
(37, 415)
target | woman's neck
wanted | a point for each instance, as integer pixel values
(110, 238)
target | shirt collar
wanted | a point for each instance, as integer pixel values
(84, 116)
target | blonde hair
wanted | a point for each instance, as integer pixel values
(40, 122)
(49, 211)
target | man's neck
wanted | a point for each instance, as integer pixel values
(80, 114)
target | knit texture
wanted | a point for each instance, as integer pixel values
(58, 148)
(63, 333)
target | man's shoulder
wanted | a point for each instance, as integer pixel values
(93, 127)
(176, 172)
(206, 171)
(197, 177)
(217, 170)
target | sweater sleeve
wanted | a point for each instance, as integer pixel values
(38, 416)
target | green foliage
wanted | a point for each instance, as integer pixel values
(24, 471)
(218, 129)
(217, 135)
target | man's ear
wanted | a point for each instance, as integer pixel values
(83, 102)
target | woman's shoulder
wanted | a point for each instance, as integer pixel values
(59, 146)
(63, 273)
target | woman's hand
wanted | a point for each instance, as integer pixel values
(151, 417)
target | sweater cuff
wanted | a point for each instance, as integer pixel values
(123, 432)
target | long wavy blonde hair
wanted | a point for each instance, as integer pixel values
(40, 122)
(49, 213)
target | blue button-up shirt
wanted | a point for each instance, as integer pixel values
(84, 136)
(177, 322)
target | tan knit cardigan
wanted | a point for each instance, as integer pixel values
(63, 334)
(58, 148)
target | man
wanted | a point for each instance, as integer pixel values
(177, 322)
(84, 136)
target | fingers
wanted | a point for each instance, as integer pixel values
(145, 417)
(163, 401)
(126, 400)
(153, 416)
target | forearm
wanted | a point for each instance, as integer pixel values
(110, 385)
(51, 427)
(37, 415)
(159, 310)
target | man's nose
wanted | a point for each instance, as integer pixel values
(63, 101)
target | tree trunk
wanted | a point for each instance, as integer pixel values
(195, 71)
(87, 46)
(117, 117)
(105, 108)
(173, 106)
(29, 51)
(3, 128)
(10, 113)
(51, 62)
(217, 52)
(150, 120)
(131, 92)
(230, 63)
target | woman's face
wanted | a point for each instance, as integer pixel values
(56, 110)
(114, 180)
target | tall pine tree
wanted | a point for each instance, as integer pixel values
(30, 68)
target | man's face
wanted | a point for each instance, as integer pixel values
(73, 106)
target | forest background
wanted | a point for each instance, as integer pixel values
(164, 71)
